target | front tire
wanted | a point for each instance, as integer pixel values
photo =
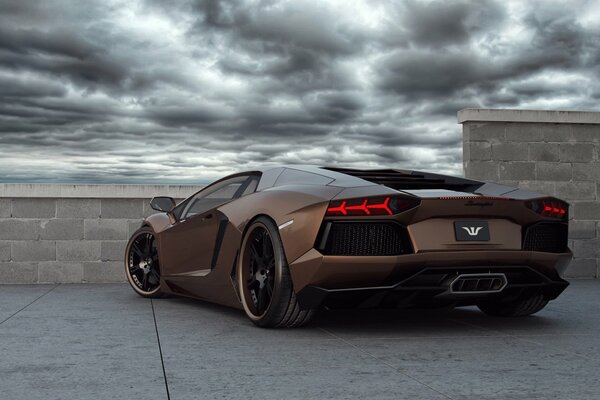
(264, 279)
(142, 266)
(520, 308)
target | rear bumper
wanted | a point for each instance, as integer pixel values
(422, 278)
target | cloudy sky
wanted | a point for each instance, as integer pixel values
(147, 91)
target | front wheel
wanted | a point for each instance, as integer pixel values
(264, 279)
(520, 308)
(142, 266)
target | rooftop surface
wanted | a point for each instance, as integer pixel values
(104, 342)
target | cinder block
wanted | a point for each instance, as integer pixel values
(121, 208)
(78, 250)
(5, 208)
(576, 152)
(582, 229)
(576, 190)
(548, 171)
(114, 250)
(487, 131)
(480, 151)
(510, 152)
(586, 133)
(543, 152)
(482, 170)
(78, 208)
(18, 272)
(520, 171)
(556, 132)
(62, 229)
(132, 226)
(586, 171)
(542, 187)
(148, 211)
(582, 268)
(108, 271)
(105, 229)
(33, 208)
(587, 248)
(4, 251)
(34, 250)
(523, 132)
(60, 272)
(19, 229)
(586, 210)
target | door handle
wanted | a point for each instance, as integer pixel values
(209, 216)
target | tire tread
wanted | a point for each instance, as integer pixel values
(287, 312)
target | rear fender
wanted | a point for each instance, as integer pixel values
(297, 210)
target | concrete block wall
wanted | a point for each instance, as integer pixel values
(552, 152)
(71, 233)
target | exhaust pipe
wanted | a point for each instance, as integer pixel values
(478, 283)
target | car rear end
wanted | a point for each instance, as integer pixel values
(434, 247)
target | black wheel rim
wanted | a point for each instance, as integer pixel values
(143, 265)
(260, 272)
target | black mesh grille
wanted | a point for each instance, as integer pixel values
(546, 237)
(365, 239)
(398, 179)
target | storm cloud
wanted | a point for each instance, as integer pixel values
(152, 91)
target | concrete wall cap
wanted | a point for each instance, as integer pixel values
(26, 190)
(540, 116)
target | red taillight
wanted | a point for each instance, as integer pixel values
(370, 206)
(550, 207)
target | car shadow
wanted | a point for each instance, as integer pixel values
(427, 322)
(388, 322)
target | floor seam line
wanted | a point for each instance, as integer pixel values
(33, 301)
(397, 370)
(162, 362)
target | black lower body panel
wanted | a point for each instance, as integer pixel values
(439, 287)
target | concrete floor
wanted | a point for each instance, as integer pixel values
(101, 342)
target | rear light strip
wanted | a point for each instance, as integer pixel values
(388, 205)
(363, 207)
(550, 207)
(473, 198)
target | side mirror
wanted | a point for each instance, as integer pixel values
(162, 203)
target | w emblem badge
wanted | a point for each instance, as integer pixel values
(477, 231)
(472, 230)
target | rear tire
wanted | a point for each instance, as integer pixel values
(519, 308)
(264, 279)
(142, 266)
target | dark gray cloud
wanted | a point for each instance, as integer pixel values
(154, 91)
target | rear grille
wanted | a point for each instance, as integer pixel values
(546, 237)
(353, 238)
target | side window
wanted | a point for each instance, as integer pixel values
(213, 196)
(292, 176)
(251, 185)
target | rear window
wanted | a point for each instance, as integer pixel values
(296, 177)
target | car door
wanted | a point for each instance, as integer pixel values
(187, 248)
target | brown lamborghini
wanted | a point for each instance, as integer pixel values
(282, 242)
